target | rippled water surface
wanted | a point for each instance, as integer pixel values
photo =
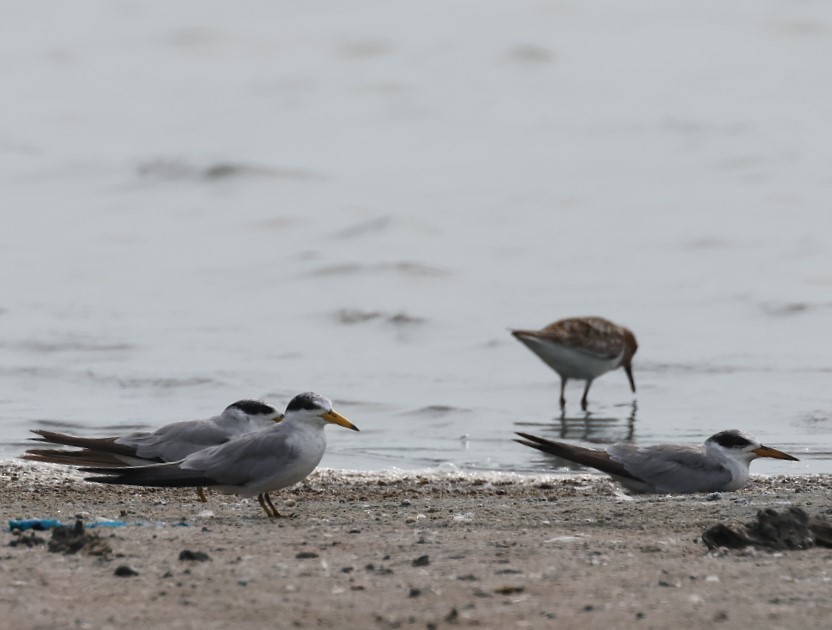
(202, 204)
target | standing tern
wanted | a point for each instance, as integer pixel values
(719, 465)
(170, 443)
(273, 458)
(582, 348)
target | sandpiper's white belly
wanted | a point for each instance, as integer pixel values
(571, 363)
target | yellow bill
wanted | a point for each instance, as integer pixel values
(767, 451)
(336, 418)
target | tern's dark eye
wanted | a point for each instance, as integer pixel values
(731, 439)
(252, 407)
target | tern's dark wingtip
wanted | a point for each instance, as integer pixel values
(99, 470)
(528, 436)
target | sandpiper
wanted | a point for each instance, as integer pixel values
(582, 348)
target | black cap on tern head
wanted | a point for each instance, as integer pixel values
(733, 439)
(309, 401)
(253, 408)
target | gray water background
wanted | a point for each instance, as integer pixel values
(203, 202)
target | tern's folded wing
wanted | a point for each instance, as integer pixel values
(156, 475)
(106, 445)
(84, 457)
(240, 462)
(247, 459)
(176, 441)
(672, 468)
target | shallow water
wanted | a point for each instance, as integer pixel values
(203, 205)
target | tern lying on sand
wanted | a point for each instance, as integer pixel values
(720, 464)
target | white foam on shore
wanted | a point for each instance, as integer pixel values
(44, 472)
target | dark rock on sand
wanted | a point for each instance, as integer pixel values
(421, 561)
(786, 530)
(69, 540)
(22, 540)
(195, 556)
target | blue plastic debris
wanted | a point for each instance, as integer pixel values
(42, 524)
(37, 524)
(106, 523)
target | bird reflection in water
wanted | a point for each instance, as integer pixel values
(598, 429)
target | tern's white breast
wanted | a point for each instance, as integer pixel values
(304, 449)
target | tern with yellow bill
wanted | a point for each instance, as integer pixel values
(721, 464)
(256, 464)
(170, 443)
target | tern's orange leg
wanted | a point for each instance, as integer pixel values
(271, 505)
(261, 499)
(200, 493)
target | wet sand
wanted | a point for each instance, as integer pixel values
(400, 550)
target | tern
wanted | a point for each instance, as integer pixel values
(582, 348)
(170, 443)
(256, 464)
(719, 465)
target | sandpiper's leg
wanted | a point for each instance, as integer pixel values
(200, 493)
(586, 392)
(562, 389)
(260, 498)
(271, 505)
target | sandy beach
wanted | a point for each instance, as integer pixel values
(206, 201)
(398, 550)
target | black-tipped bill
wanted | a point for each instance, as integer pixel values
(336, 418)
(767, 451)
